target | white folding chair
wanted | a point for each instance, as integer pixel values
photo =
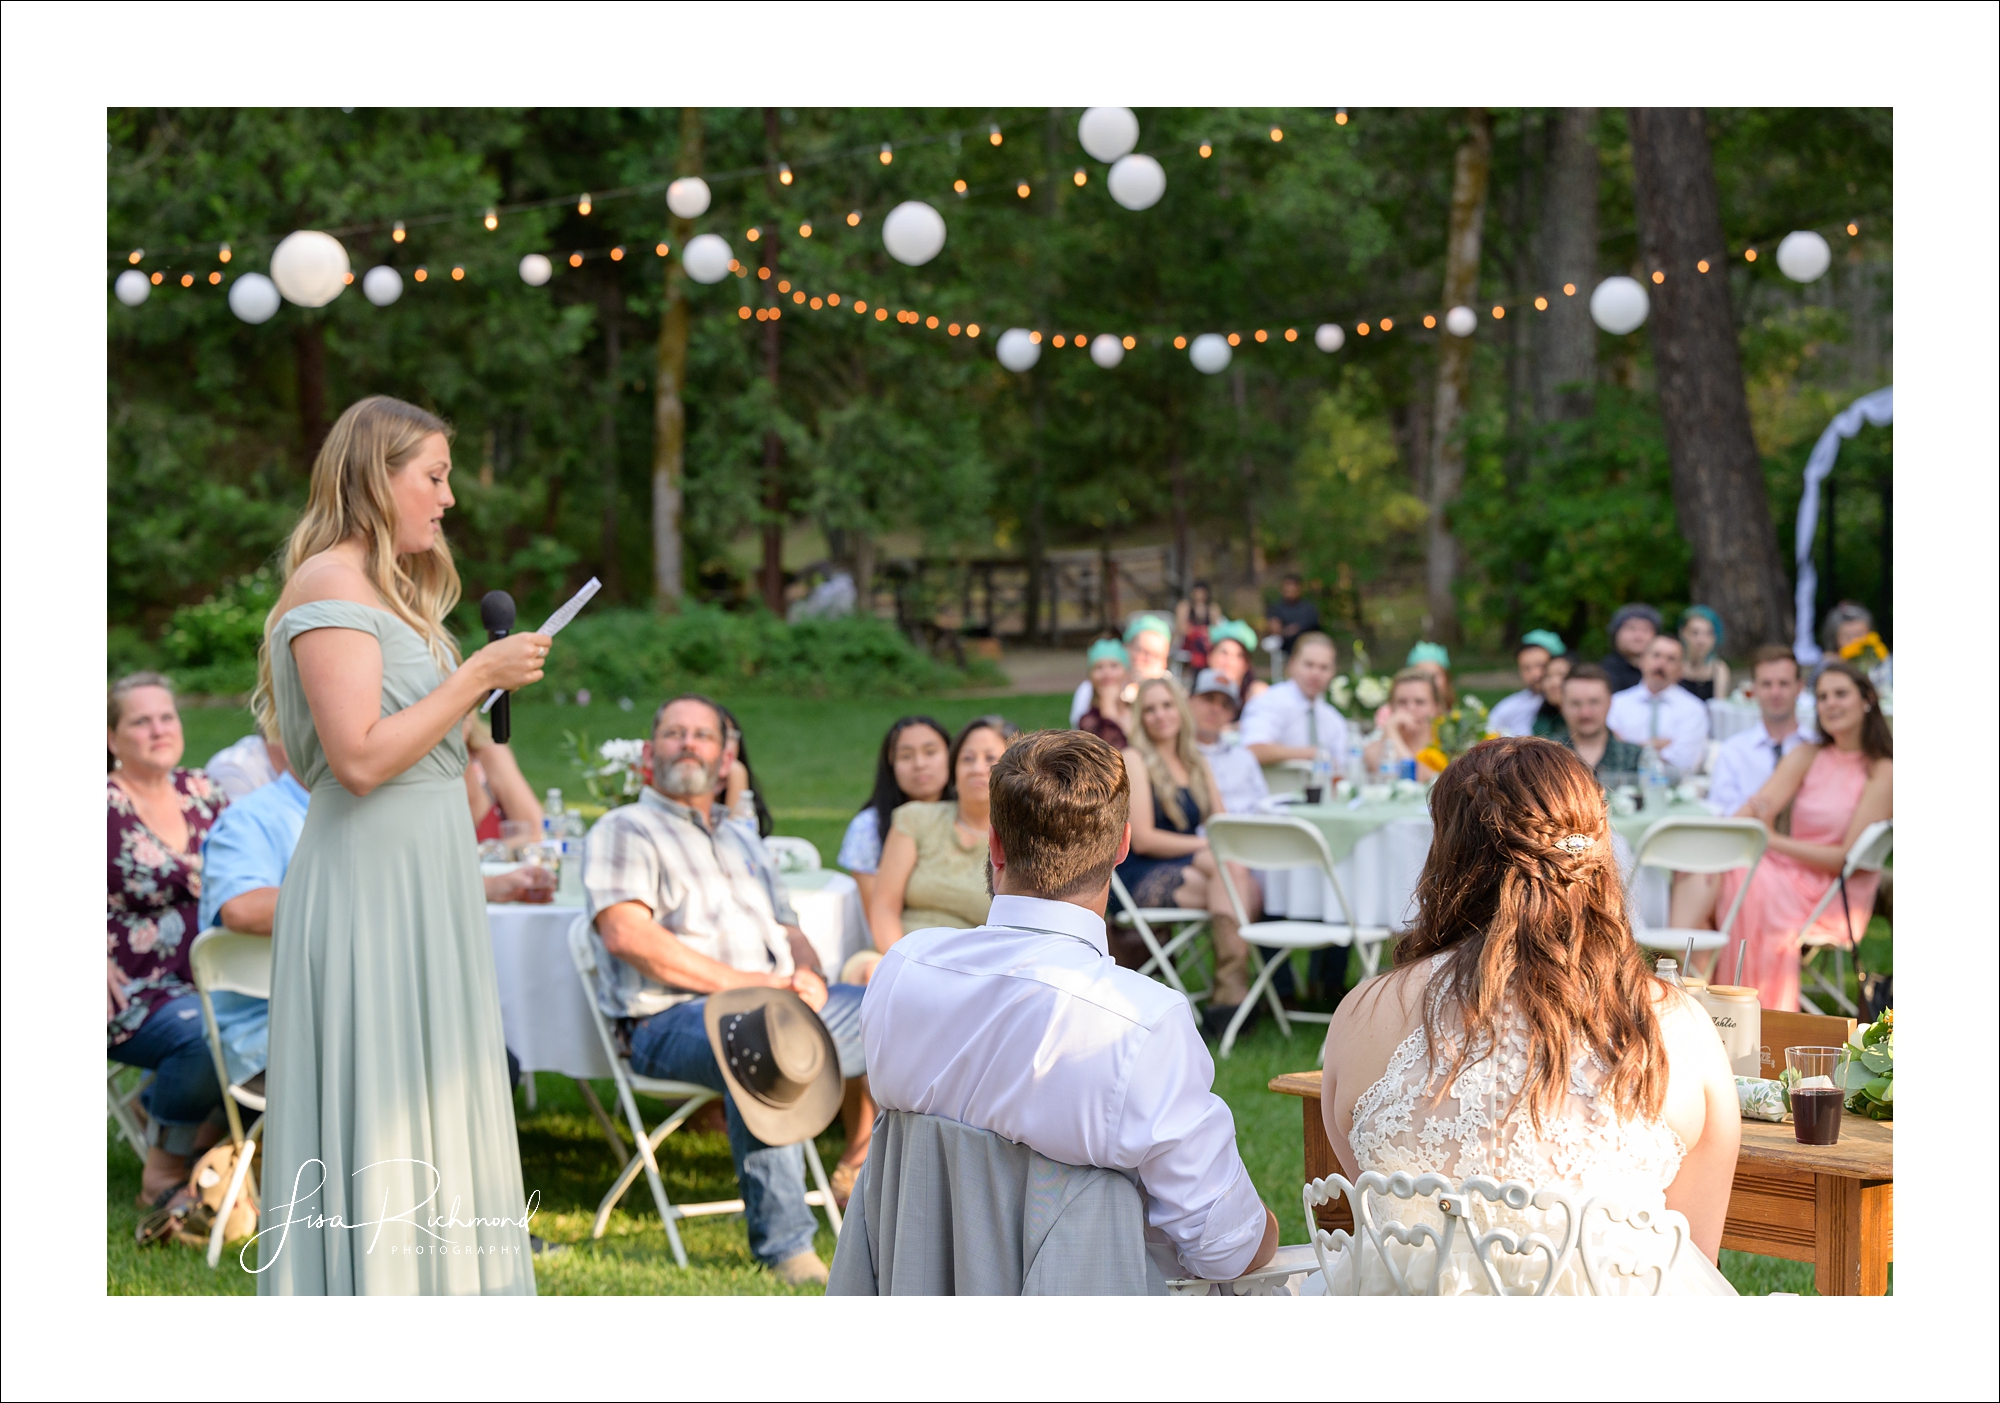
(1869, 854)
(1187, 926)
(692, 1097)
(792, 854)
(227, 961)
(1287, 779)
(1275, 841)
(1582, 1248)
(1702, 845)
(124, 1105)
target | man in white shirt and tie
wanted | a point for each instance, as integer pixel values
(1661, 713)
(1294, 720)
(1025, 1027)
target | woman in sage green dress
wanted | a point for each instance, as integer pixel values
(391, 1166)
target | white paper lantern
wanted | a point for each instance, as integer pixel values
(1018, 350)
(536, 269)
(1107, 132)
(1137, 182)
(254, 298)
(1619, 305)
(913, 233)
(381, 285)
(1210, 353)
(706, 258)
(1461, 321)
(133, 287)
(310, 268)
(1803, 256)
(688, 197)
(1330, 337)
(1107, 350)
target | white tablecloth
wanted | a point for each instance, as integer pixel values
(543, 1010)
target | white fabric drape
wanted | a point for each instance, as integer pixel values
(1874, 408)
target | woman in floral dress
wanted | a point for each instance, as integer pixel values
(159, 816)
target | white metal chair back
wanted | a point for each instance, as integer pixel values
(121, 1105)
(1870, 853)
(792, 854)
(1586, 1248)
(227, 961)
(1286, 777)
(1189, 923)
(1271, 841)
(1706, 845)
(692, 1096)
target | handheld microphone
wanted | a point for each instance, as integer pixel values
(496, 611)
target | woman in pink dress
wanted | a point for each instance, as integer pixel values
(1835, 790)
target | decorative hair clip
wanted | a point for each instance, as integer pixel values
(1576, 845)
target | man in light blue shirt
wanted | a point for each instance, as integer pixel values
(243, 865)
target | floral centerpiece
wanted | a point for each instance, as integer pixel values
(1357, 692)
(615, 772)
(1454, 733)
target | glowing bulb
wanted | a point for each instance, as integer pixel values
(860, 306)
(397, 233)
(1277, 133)
(1542, 303)
(785, 285)
(422, 273)
(458, 272)
(222, 256)
(1498, 314)
(617, 255)
(1853, 229)
(764, 274)
(1658, 278)
(138, 253)
(157, 280)
(817, 304)
(576, 260)
(958, 186)
(1207, 150)
(805, 231)
(1340, 117)
(801, 297)
(881, 314)
(762, 314)
(1429, 321)
(784, 174)
(1079, 342)
(1021, 189)
(1291, 333)
(1130, 342)
(660, 249)
(952, 330)
(744, 313)
(1082, 177)
(1035, 337)
(753, 233)
(931, 322)
(492, 219)
(993, 135)
(1749, 255)
(1180, 343)
(833, 299)
(214, 278)
(735, 267)
(777, 312)
(853, 218)
(887, 154)
(1261, 338)
(1363, 328)
(972, 330)
(583, 204)
(1569, 289)
(1060, 342)
(1234, 339)
(187, 279)
(1387, 325)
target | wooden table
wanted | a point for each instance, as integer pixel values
(1830, 1205)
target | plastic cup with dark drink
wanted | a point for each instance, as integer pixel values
(1816, 1095)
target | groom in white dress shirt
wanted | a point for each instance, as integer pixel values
(1661, 713)
(1025, 1027)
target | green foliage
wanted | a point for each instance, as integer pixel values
(648, 656)
(211, 647)
(1356, 515)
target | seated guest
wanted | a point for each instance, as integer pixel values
(1027, 1028)
(1294, 720)
(1193, 617)
(1293, 616)
(1149, 641)
(680, 902)
(1851, 636)
(1522, 1036)
(1405, 721)
(913, 765)
(494, 784)
(1834, 788)
(933, 870)
(1107, 714)
(1659, 714)
(159, 817)
(1548, 722)
(1173, 794)
(1633, 628)
(240, 768)
(1433, 658)
(1743, 764)
(1514, 715)
(1239, 779)
(1232, 652)
(1586, 703)
(1705, 673)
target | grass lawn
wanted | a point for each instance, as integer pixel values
(815, 760)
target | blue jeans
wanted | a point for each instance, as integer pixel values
(183, 1090)
(674, 1047)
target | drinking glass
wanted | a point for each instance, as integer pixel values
(519, 834)
(1816, 1094)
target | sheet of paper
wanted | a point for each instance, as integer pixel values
(556, 623)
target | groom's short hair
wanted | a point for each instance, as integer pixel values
(1059, 804)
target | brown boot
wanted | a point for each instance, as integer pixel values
(1232, 962)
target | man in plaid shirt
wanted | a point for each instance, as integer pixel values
(683, 903)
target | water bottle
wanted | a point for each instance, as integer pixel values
(1653, 785)
(1321, 780)
(1668, 972)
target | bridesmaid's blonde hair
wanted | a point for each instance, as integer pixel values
(1184, 750)
(350, 498)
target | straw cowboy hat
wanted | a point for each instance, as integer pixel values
(779, 1061)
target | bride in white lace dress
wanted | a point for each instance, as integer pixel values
(1522, 1036)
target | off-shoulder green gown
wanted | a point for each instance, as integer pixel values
(390, 1163)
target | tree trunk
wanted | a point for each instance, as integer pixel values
(669, 379)
(773, 574)
(1247, 469)
(607, 442)
(1454, 382)
(1719, 493)
(1567, 362)
(309, 351)
(1177, 478)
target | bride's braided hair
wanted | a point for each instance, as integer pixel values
(1522, 889)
